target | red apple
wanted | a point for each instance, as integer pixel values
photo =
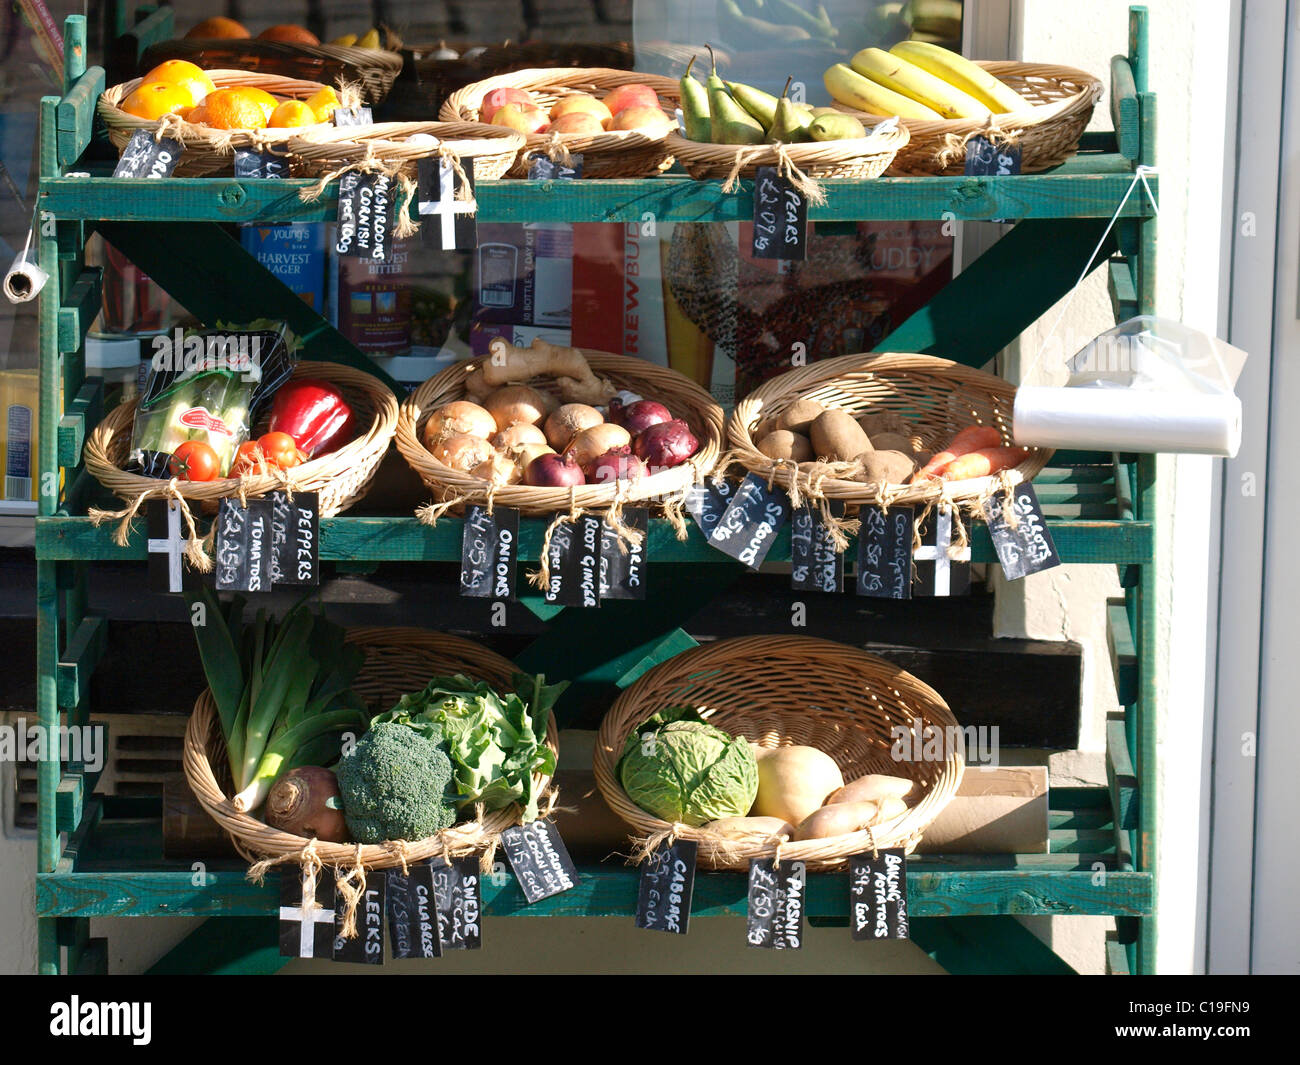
(498, 98)
(525, 118)
(645, 119)
(577, 122)
(629, 96)
(584, 103)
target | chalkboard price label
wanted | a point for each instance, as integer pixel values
(561, 583)
(367, 946)
(1027, 548)
(885, 552)
(777, 897)
(261, 166)
(623, 565)
(984, 158)
(539, 860)
(460, 908)
(351, 116)
(374, 207)
(780, 229)
(144, 157)
(541, 168)
(751, 521)
(581, 564)
(345, 234)
(412, 914)
(878, 895)
(667, 883)
(295, 539)
(489, 548)
(242, 546)
(815, 565)
(706, 504)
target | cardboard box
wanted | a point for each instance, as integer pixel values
(523, 274)
(997, 810)
(19, 403)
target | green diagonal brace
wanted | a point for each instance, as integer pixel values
(229, 946)
(986, 946)
(1003, 292)
(214, 278)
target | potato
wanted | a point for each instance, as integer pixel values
(837, 820)
(890, 808)
(884, 422)
(750, 829)
(836, 436)
(783, 444)
(794, 781)
(886, 467)
(798, 416)
(872, 788)
(892, 442)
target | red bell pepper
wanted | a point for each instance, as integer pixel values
(314, 413)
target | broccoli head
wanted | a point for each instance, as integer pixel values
(394, 785)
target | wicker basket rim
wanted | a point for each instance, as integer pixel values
(350, 54)
(466, 139)
(887, 141)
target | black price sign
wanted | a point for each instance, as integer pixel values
(374, 198)
(1027, 548)
(367, 946)
(144, 157)
(539, 860)
(295, 538)
(983, 157)
(541, 168)
(706, 503)
(412, 914)
(885, 552)
(878, 895)
(345, 234)
(560, 587)
(351, 116)
(306, 915)
(623, 565)
(448, 220)
(250, 163)
(751, 521)
(489, 548)
(663, 902)
(243, 546)
(780, 217)
(573, 556)
(777, 892)
(460, 910)
(815, 565)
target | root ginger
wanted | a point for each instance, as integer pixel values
(507, 364)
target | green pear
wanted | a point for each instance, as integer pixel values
(789, 124)
(695, 106)
(729, 123)
(837, 127)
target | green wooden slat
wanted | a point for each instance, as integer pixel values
(68, 800)
(1075, 492)
(221, 282)
(79, 660)
(1074, 475)
(1087, 819)
(1003, 292)
(987, 946)
(82, 415)
(1123, 292)
(1120, 776)
(232, 946)
(1080, 841)
(80, 306)
(153, 24)
(1124, 106)
(1116, 959)
(1079, 798)
(80, 839)
(1092, 189)
(76, 115)
(1123, 652)
(1139, 49)
(601, 892)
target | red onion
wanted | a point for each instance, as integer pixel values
(639, 416)
(617, 464)
(667, 444)
(553, 471)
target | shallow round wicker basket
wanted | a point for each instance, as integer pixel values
(616, 154)
(207, 150)
(936, 396)
(372, 70)
(862, 157)
(779, 691)
(325, 149)
(1047, 133)
(340, 478)
(682, 397)
(398, 660)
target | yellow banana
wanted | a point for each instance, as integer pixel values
(853, 90)
(369, 39)
(346, 41)
(898, 74)
(961, 73)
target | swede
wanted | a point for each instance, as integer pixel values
(794, 781)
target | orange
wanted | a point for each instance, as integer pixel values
(186, 75)
(240, 107)
(323, 102)
(218, 27)
(292, 113)
(154, 99)
(290, 34)
(197, 115)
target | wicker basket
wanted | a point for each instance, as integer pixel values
(1047, 134)
(684, 398)
(340, 478)
(207, 150)
(778, 691)
(325, 149)
(862, 157)
(398, 660)
(373, 70)
(936, 396)
(616, 154)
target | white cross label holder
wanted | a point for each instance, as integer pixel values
(454, 220)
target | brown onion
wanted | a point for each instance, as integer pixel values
(568, 421)
(459, 416)
(518, 405)
(594, 442)
(461, 451)
(516, 436)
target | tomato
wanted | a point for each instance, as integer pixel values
(195, 461)
(248, 459)
(280, 449)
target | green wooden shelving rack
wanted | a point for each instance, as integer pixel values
(95, 862)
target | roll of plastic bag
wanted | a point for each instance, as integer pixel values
(1104, 418)
(25, 278)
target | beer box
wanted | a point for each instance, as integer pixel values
(19, 403)
(523, 274)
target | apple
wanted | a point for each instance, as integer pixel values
(524, 118)
(498, 98)
(577, 122)
(581, 103)
(642, 118)
(629, 96)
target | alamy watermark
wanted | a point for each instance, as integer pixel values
(37, 743)
(78, 1018)
(238, 352)
(922, 742)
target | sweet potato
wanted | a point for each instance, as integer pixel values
(873, 788)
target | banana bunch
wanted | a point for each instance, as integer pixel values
(919, 80)
(378, 37)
